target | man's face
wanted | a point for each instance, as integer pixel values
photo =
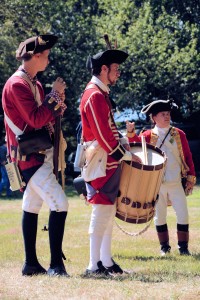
(44, 59)
(113, 74)
(162, 119)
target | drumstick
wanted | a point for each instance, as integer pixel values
(144, 150)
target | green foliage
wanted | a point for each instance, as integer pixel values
(72, 22)
(163, 52)
(161, 37)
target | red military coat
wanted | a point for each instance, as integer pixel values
(98, 124)
(183, 147)
(20, 106)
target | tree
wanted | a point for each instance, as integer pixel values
(72, 22)
(163, 51)
(161, 36)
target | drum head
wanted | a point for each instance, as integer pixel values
(154, 156)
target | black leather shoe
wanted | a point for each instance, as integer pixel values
(101, 271)
(33, 270)
(184, 251)
(58, 271)
(165, 249)
(115, 269)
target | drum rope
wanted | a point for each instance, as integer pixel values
(148, 193)
(137, 194)
(127, 185)
(126, 191)
(135, 233)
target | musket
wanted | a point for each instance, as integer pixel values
(57, 136)
(57, 131)
(62, 163)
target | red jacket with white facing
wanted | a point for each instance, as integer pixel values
(98, 124)
(20, 106)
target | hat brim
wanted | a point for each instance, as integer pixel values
(107, 57)
(35, 45)
(157, 106)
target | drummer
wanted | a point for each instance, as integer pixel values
(174, 143)
(99, 129)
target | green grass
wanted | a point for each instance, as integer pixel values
(152, 276)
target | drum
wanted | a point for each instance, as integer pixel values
(140, 184)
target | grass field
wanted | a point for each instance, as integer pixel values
(152, 276)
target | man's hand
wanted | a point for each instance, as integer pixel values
(127, 147)
(59, 85)
(62, 96)
(189, 188)
(136, 158)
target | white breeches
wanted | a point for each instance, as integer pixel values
(175, 193)
(43, 186)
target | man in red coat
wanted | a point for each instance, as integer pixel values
(25, 109)
(174, 143)
(104, 153)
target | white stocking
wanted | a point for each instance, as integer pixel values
(106, 251)
(100, 230)
(95, 244)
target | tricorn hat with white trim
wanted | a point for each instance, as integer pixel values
(157, 106)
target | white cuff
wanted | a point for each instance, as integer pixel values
(127, 156)
(123, 140)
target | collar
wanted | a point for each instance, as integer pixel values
(160, 131)
(104, 87)
(33, 80)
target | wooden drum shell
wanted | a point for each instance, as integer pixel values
(139, 185)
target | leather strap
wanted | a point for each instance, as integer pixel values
(165, 137)
(33, 88)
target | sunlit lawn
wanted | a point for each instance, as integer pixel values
(152, 276)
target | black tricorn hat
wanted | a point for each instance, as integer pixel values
(157, 106)
(35, 45)
(106, 58)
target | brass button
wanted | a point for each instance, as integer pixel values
(57, 107)
(51, 100)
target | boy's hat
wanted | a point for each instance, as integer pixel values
(35, 45)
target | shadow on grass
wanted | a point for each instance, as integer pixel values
(70, 190)
(16, 195)
(157, 258)
(196, 256)
(147, 258)
(151, 277)
(128, 275)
